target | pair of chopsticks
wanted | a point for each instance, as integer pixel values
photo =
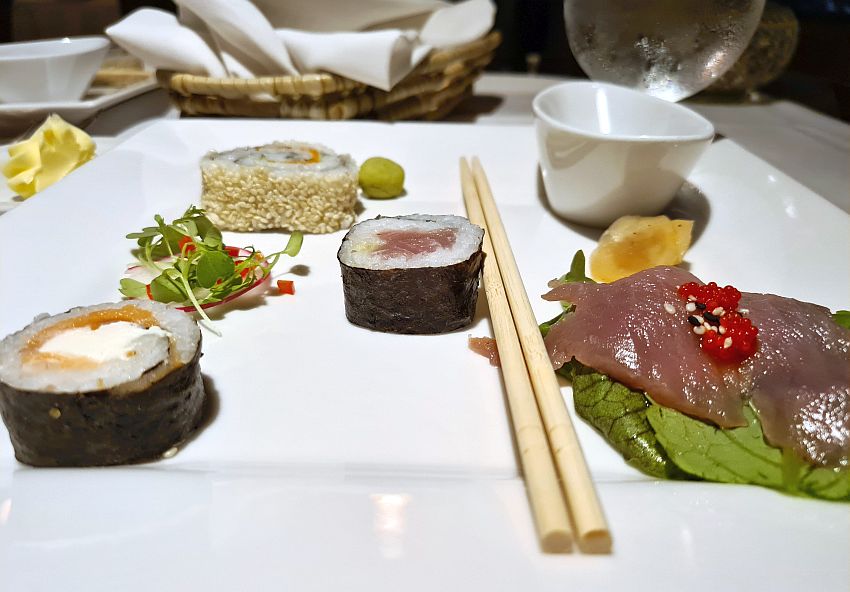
(542, 427)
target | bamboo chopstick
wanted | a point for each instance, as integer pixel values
(593, 535)
(544, 492)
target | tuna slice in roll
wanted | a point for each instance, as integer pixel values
(411, 274)
(102, 385)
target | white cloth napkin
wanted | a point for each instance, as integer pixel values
(359, 39)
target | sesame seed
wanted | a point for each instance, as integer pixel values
(669, 308)
(710, 317)
(718, 311)
(692, 298)
(699, 330)
(694, 321)
(711, 327)
(727, 343)
(700, 305)
(690, 307)
(170, 452)
(54, 413)
(722, 330)
(700, 319)
(744, 311)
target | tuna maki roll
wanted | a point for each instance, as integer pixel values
(102, 385)
(285, 185)
(411, 274)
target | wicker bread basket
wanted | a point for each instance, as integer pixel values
(430, 91)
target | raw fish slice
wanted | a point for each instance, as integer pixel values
(623, 330)
(407, 243)
(799, 380)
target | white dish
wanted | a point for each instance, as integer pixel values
(18, 118)
(608, 151)
(50, 70)
(342, 458)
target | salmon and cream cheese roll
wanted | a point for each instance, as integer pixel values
(102, 385)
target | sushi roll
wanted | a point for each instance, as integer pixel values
(285, 185)
(411, 274)
(102, 385)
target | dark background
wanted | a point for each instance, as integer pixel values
(534, 40)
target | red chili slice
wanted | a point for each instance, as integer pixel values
(286, 287)
(186, 242)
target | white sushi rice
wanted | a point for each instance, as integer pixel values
(104, 371)
(358, 248)
(266, 187)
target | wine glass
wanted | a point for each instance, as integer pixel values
(671, 49)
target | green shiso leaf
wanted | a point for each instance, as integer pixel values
(619, 414)
(842, 317)
(213, 266)
(741, 455)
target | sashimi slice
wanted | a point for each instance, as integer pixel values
(798, 380)
(623, 330)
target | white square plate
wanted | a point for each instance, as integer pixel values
(341, 458)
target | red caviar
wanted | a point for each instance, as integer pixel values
(711, 295)
(725, 333)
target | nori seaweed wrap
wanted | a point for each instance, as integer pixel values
(102, 385)
(413, 274)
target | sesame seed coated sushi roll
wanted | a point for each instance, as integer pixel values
(285, 185)
(411, 274)
(102, 385)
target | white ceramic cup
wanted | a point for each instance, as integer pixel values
(608, 151)
(49, 71)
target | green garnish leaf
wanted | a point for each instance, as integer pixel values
(619, 414)
(145, 233)
(213, 266)
(741, 455)
(167, 289)
(207, 230)
(576, 272)
(842, 317)
(133, 288)
(293, 245)
(546, 325)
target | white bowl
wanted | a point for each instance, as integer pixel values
(608, 151)
(53, 70)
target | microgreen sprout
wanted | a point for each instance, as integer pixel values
(192, 267)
